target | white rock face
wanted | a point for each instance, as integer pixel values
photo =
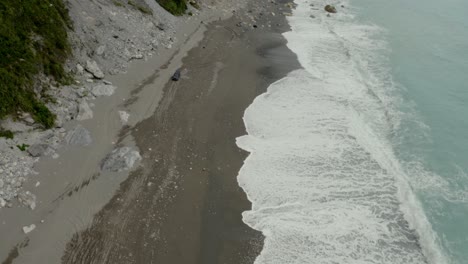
(120, 159)
(103, 90)
(78, 136)
(84, 111)
(2, 203)
(93, 68)
(28, 229)
(124, 117)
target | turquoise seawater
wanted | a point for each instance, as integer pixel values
(361, 156)
(428, 57)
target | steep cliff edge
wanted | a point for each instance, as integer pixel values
(54, 58)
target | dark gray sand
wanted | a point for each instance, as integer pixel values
(183, 205)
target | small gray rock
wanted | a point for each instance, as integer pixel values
(78, 136)
(28, 229)
(27, 118)
(100, 50)
(93, 68)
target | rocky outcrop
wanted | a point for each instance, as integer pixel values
(330, 9)
(120, 159)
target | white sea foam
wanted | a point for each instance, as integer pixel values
(324, 183)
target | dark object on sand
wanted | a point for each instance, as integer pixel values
(176, 75)
(330, 9)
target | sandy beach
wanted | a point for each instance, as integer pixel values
(182, 203)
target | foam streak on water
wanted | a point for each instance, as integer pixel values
(324, 183)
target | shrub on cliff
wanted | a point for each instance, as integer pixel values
(33, 39)
(175, 7)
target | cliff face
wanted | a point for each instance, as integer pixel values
(47, 43)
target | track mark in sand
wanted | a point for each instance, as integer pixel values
(167, 99)
(234, 33)
(69, 191)
(216, 69)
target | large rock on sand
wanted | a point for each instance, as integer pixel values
(84, 111)
(78, 136)
(93, 68)
(330, 9)
(38, 150)
(120, 159)
(103, 89)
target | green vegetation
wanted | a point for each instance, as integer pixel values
(23, 147)
(175, 7)
(33, 39)
(6, 134)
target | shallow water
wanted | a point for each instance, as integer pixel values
(361, 156)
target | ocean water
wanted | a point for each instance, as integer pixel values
(362, 155)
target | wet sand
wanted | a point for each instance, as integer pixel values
(184, 204)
